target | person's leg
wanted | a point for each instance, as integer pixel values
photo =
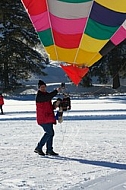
(1, 109)
(47, 137)
(49, 143)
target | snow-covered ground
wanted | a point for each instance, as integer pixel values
(91, 142)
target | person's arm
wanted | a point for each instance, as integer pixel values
(44, 97)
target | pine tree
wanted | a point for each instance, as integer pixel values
(112, 65)
(18, 43)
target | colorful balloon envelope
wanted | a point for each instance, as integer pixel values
(78, 32)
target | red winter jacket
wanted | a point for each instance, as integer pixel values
(1, 100)
(44, 107)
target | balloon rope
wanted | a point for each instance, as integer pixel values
(63, 131)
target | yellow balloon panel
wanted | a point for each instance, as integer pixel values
(51, 50)
(79, 57)
(97, 57)
(85, 58)
(66, 55)
(91, 44)
(116, 5)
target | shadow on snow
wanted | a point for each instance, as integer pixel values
(91, 162)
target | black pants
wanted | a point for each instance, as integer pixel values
(1, 109)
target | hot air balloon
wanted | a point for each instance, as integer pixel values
(78, 32)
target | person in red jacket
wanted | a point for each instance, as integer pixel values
(1, 103)
(45, 118)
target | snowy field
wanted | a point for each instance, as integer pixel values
(91, 142)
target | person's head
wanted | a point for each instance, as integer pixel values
(42, 86)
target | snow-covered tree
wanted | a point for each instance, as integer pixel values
(18, 44)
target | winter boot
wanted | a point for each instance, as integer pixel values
(40, 152)
(51, 153)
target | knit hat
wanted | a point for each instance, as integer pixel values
(41, 83)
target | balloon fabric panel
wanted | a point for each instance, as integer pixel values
(108, 47)
(68, 25)
(74, 1)
(69, 10)
(75, 74)
(66, 40)
(41, 21)
(119, 36)
(96, 43)
(35, 7)
(99, 31)
(116, 5)
(100, 13)
(46, 37)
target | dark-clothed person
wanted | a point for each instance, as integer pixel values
(1, 103)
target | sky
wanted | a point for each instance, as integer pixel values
(90, 141)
